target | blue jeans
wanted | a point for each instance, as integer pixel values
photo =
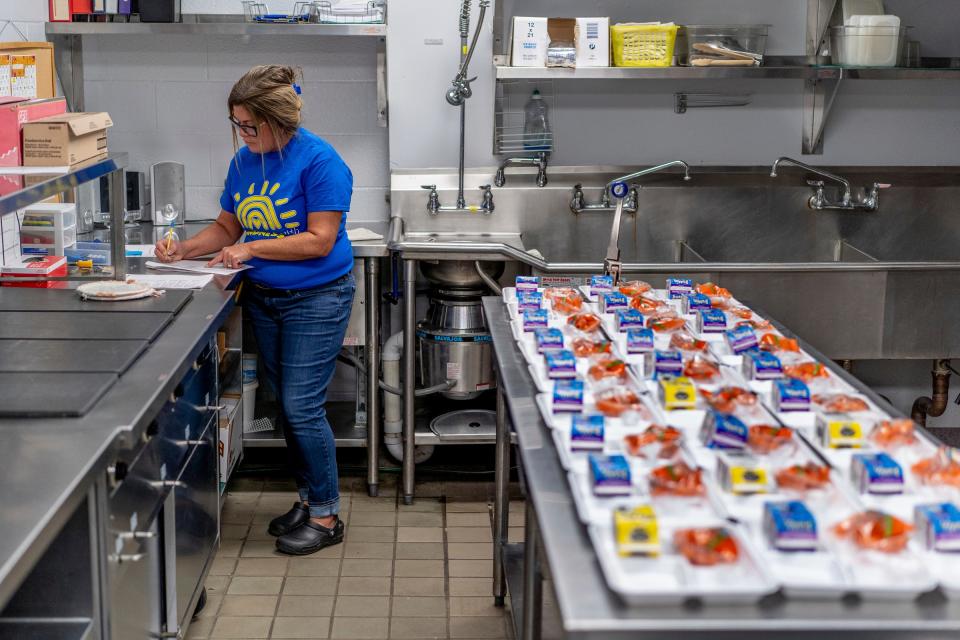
(299, 336)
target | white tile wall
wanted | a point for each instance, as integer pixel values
(167, 96)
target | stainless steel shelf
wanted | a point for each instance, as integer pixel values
(208, 25)
(653, 73)
(788, 72)
(48, 185)
(346, 435)
(896, 73)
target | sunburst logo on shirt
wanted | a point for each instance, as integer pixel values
(258, 211)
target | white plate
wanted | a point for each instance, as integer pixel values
(114, 290)
(670, 579)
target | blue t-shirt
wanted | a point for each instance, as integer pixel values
(272, 197)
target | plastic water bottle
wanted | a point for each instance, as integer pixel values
(536, 124)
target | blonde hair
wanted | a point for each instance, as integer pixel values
(267, 93)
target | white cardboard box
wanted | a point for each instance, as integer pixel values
(530, 42)
(230, 433)
(593, 42)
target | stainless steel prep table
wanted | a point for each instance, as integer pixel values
(371, 252)
(587, 608)
(51, 464)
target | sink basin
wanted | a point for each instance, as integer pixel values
(856, 285)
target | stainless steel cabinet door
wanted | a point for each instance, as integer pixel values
(135, 585)
(195, 526)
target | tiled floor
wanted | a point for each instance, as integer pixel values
(420, 571)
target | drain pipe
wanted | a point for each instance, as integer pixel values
(487, 280)
(392, 404)
(925, 405)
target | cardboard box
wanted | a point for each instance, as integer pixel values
(14, 113)
(50, 266)
(34, 60)
(230, 432)
(593, 42)
(65, 139)
(59, 10)
(530, 41)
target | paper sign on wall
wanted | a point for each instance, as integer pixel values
(4, 75)
(23, 76)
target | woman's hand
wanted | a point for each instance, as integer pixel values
(175, 253)
(232, 257)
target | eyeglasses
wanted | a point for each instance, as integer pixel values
(249, 129)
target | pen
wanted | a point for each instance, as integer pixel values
(169, 238)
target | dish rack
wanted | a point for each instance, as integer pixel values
(374, 12)
(317, 11)
(255, 11)
(509, 138)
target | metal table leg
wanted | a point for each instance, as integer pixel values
(409, 373)
(372, 302)
(501, 501)
(116, 184)
(532, 580)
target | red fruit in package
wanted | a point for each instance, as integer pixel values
(706, 547)
(876, 531)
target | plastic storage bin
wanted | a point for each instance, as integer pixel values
(643, 45)
(750, 38)
(50, 215)
(44, 241)
(97, 252)
(867, 46)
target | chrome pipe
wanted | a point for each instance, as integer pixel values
(487, 280)
(648, 171)
(372, 351)
(409, 374)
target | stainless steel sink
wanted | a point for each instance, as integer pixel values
(856, 285)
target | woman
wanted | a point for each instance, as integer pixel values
(287, 192)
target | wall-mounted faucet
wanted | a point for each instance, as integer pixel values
(539, 161)
(578, 204)
(433, 201)
(869, 201)
(630, 196)
(487, 205)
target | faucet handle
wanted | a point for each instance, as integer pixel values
(429, 187)
(882, 185)
(484, 187)
(816, 183)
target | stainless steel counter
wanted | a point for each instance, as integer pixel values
(144, 233)
(588, 609)
(50, 463)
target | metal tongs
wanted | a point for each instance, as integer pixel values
(612, 265)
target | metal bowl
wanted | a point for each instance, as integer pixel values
(459, 274)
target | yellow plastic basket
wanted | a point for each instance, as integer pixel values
(643, 45)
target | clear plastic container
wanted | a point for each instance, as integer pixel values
(97, 252)
(53, 241)
(722, 45)
(50, 216)
(870, 46)
(536, 124)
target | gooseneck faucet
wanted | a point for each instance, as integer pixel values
(577, 204)
(869, 201)
(539, 161)
(457, 96)
(621, 189)
(847, 190)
